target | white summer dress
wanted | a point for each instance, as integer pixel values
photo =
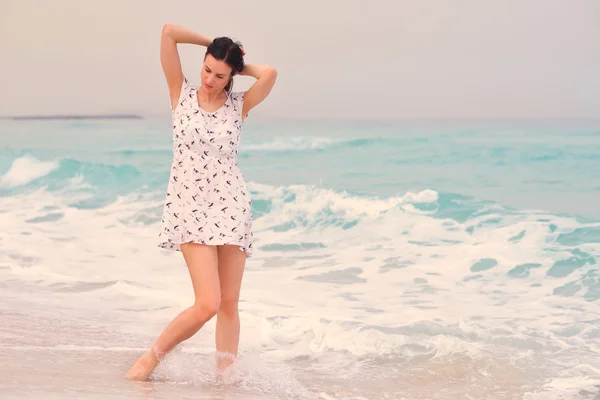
(207, 200)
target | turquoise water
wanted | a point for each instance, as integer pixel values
(410, 258)
(550, 165)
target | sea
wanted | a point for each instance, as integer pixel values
(413, 259)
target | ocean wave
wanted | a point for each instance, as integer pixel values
(252, 145)
(300, 202)
(278, 145)
(493, 244)
(82, 184)
(427, 280)
(299, 143)
(25, 170)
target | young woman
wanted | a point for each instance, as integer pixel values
(207, 213)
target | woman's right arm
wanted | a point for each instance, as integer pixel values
(171, 35)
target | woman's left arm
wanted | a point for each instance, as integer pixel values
(265, 79)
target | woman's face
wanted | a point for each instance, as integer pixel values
(215, 74)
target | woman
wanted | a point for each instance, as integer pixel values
(207, 213)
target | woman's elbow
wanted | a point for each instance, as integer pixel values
(166, 29)
(271, 72)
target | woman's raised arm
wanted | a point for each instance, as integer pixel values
(171, 35)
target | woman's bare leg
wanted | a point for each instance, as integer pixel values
(227, 335)
(202, 262)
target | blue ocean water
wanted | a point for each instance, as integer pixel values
(411, 259)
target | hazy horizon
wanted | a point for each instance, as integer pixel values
(389, 60)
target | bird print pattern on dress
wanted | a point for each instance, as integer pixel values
(207, 200)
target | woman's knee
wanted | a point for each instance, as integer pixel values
(207, 307)
(229, 306)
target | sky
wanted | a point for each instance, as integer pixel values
(347, 59)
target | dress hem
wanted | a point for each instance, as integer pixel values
(175, 246)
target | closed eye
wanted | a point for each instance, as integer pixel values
(220, 76)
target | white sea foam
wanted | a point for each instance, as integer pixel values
(26, 169)
(291, 143)
(335, 277)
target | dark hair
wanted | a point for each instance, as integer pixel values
(225, 49)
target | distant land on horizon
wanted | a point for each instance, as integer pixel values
(73, 117)
(264, 118)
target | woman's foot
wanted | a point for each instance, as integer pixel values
(224, 360)
(143, 367)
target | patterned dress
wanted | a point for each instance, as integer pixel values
(207, 199)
